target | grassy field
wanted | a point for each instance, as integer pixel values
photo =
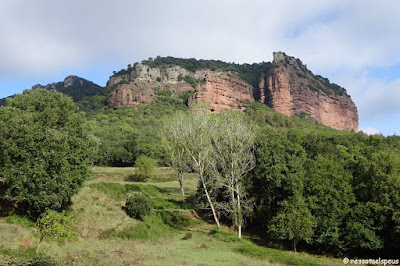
(172, 235)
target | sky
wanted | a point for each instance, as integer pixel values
(353, 43)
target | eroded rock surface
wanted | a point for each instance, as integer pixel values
(290, 89)
(223, 91)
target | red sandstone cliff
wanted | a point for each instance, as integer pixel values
(141, 91)
(223, 91)
(290, 89)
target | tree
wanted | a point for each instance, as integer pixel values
(178, 157)
(294, 222)
(196, 136)
(52, 223)
(144, 166)
(45, 151)
(330, 197)
(279, 172)
(233, 146)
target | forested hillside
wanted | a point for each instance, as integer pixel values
(303, 186)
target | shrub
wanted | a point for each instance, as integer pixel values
(145, 166)
(138, 205)
(56, 224)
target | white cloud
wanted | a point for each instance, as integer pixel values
(335, 38)
(370, 130)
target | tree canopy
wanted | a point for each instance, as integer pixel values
(45, 151)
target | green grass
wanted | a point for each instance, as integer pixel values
(21, 220)
(279, 256)
(172, 235)
(24, 256)
(151, 228)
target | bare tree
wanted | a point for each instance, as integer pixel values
(199, 148)
(233, 147)
(174, 129)
(188, 139)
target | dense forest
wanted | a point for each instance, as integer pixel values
(306, 185)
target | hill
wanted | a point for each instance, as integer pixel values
(285, 85)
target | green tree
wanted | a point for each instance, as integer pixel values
(293, 222)
(279, 172)
(52, 223)
(144, 166)
(45, 151)
(330, 197)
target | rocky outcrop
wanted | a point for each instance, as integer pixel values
(165, 74)
(140, 83)
(223, 91)
(290, 89)
(141, 91)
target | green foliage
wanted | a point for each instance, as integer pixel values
(26, 256)
(55, 224)
(45, 151)
(78, 89)
(144, 167)
(192, 81)
(21, 220)
(163, 93)
(293, 222)
(279, 172)
(138, 205)
(126, 133)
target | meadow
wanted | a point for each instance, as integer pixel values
(173, 234)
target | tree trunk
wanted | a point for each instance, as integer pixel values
(40, 242)
(294, 245)
(180, 179)
(209, 201)
(239, 212)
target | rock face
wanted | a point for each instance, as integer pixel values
(140, 91)
(140, 84)
(169, 74)
(290, 89)
(223, 91)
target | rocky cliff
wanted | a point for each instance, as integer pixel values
(286, 86)
(223, 91)
(290, 88)
(141, 83)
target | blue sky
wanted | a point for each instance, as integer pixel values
(353, 43)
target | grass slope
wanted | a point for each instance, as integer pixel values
(172, 235)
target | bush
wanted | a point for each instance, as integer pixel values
(138, 205)
(145, 167)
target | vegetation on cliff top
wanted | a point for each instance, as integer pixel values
(250, 73)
